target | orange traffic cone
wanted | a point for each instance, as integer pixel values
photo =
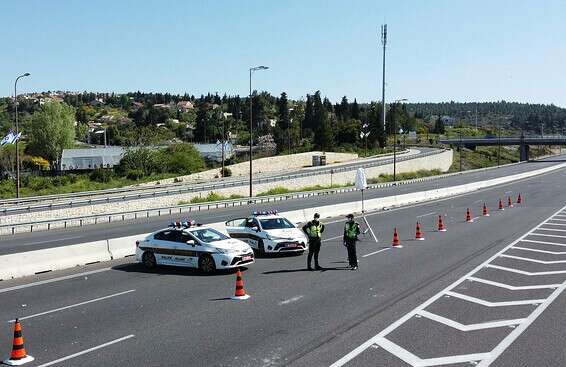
(240, 293)
(519, 199)
(509, 202)
(18, 355)
(396, 242)
(441, 227)
(501, 205)
(469, 216)
(418, 235)
(485, 212)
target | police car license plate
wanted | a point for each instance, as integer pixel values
(246, 258)
(292, 245)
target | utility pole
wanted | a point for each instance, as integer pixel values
(17, 133)
(252, 70)
(384, 43)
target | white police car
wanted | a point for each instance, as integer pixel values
(194, 246)
(268, 232)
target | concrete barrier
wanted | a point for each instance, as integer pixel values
(57, 258)
(29, 263)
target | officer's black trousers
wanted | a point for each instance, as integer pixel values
(352, 256)
(314, 249)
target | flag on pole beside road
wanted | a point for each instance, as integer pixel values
(10, 138)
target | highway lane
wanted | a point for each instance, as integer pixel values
(135, 193)
(39, 240)
(294, 317)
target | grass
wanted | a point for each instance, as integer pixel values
(404, 176)
(279, 190)
(212, 196)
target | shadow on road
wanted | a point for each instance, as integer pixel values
(303, 270)
(172, 270)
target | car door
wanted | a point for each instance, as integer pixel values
(252, 233)
(187, 250)
(163, 245)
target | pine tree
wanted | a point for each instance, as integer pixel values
(308, 119)
(345, 109)
(439, 126)
(323, 136)
(355, 110)
(377, 136)
(283, 111)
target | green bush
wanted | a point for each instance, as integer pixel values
(134, 174)
(227, 172)
(181, 159)
(275, 191)
(101, 175)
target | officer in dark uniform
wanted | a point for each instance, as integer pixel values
(314, 230)
(351, 232)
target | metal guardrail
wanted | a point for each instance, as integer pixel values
(196, 208)
(184, 189)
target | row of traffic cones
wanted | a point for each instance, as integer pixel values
(441, 228)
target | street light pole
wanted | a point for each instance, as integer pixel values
(256, 68)
(17, 133)
(395, 140)
(289, 131)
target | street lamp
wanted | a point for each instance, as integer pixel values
(17, 133)
(255, 68)
(395, 140)
(289, 131)
(225, 115)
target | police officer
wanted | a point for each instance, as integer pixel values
(314, 230)
(351, 232)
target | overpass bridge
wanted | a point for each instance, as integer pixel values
(524, 142)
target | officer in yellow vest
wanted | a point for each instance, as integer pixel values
(314, 230)
(351, 232)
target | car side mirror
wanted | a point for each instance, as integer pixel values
(255, 229)
(191, 243)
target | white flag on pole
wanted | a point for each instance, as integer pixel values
(361, 179)
(8, 139)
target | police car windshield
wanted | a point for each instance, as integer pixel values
(208, 235)
(275, 223)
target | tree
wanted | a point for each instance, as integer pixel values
(355, 110)
(323, 136)
(52, 130)
(439, 126)
(377, 135)
(345, 109)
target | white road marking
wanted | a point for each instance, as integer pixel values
(53, 280)
(493, 304)
(555, 224)
(86, 351)
(332, 238)
(54, 240)
(508, 192)
(558, 220)
(541, 251)
(290, 300)
(75, 305)
(511, 270)
(376, 252)
(551, 229)
(426, 215)
(512, 287)
(414, 361)
(545, 243)
(471, 327)
(534, 260)
(547, 235)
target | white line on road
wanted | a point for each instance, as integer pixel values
(540, 251)
(332, 238)
(376, 252)
(290, 300)
(53, 280)
(426, 215)
(534, 260)
(485, 303)
(547, 235)
(552, 229)
(86, 351)
(458, 326)
(75, 305)
(512, 287)
(545, 243)
(511, 270)
(54, 240)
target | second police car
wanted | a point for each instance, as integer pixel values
(190, 245)
(268, 232)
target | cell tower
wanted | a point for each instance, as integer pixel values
(384, 43)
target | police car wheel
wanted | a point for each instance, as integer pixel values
(148, 260)
(206, 264)
(260, 247)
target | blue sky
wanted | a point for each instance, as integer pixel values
(438, 50)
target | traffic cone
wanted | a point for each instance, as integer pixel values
(509, 202)
(519, 199)
(469, 216)
(485, 212)
(240, 293)
(501, 205)
(441, 227)
(418, 235)
(18, 355)
(396, 242)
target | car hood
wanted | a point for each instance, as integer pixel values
(287, 233)
(231, 244)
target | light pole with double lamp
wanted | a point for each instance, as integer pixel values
(17, 132)
(252, 70)
(395, 140)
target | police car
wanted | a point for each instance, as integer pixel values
(192, 245)
(268, 232)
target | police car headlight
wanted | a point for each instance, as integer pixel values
(224, 251)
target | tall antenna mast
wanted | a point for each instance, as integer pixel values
(384, 43)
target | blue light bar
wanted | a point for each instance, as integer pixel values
(264, 212)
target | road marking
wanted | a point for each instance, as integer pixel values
(332, 238)
(290, 300)
(512, 287)
(511, 270)
(86, 351)
(534, 260)
(485, 303)
(508, 192)
(75, 305)
(545, 243)
(558, 219)
(413, 360)
(555, 224)
(376, 252)
(53, 280)
(541, 251)
(54, 240)
(426, 215)
(547, 235)
(456, 325)
(551, 229)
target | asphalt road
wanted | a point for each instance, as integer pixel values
(47, 239)
(173, 317)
